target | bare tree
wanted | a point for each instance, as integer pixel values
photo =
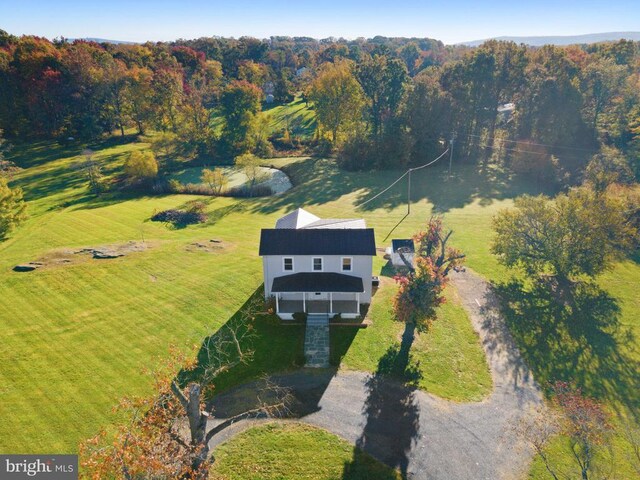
(535, 429)
(92, 170)
(583, 422)
(155, 443)
(631, 433)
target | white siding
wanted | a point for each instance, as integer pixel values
(362, 266)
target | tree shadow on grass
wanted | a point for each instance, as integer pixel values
(581, 341)
(274, 346)
(278, 350)
(392, 412)
(319, 181)
(58, 176)
(88, 201)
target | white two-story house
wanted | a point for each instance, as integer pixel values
(318, 266)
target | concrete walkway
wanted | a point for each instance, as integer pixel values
(316, 341)
(424, 436)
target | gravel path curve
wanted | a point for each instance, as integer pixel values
(424, 436)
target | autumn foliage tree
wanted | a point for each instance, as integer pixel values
(168, 435)
(578, 233)
(584, 423)
(338, 98)
(141, 167)
(420, 291)
(12, 208)
(215, 179)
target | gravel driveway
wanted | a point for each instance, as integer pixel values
(424, 436)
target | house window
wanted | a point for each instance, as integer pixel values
(287, 264)
(347, 264)
(317, 264)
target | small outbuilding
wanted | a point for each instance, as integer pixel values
(404, 246)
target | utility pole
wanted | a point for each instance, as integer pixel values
(409, 193)
(453, 137)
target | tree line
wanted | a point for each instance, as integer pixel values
(379, 103)
(544, 111)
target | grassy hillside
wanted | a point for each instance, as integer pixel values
(296, 116)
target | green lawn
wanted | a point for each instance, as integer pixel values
(276, 451)
(76, 338)
(449, 358)
(296, 116)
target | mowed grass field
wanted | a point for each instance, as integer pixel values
(78, 337)
(448, 357)
(293, 450)
(295, 116)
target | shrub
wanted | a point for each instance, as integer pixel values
(174, 186)
(263, 148)
(270, 304)
(141, 166)
(195, 206)
(355, 154)
(300, 317)
(300, 360)
(179, 217)
(197, 189)
(247, 192)
(324, 147)
(12, 208)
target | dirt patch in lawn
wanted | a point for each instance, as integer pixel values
(212, 245)
(67, 256)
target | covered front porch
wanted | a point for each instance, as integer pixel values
(346, 308)
(317, 293)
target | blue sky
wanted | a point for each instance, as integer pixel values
(450, 21)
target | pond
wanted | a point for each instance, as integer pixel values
(274, 178)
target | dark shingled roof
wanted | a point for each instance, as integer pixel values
(348, 241)
(317, 282)
(402, 243)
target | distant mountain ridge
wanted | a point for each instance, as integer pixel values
(103, 40)
(562, 39)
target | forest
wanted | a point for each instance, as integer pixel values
(379, 103)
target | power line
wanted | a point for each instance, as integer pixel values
(430, 163)
(373, 198)
(408, 172)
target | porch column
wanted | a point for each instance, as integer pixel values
(358, 303)
(304, 302)
(277, 304)
(330, 302)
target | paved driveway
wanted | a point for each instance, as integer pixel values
(425, 436)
